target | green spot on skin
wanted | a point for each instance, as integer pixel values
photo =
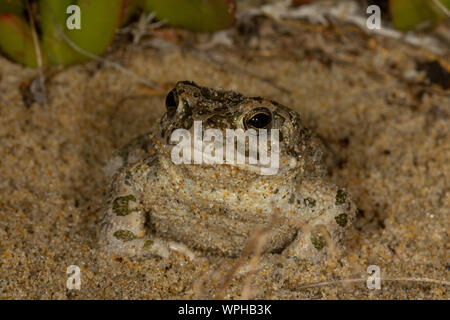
(341, 196)
(292, 199)
(128, 178)
(148, 243)
(309, 202)
(124, 235)
(120, 205)
(318, 241)
(341, 219)
(299, 261)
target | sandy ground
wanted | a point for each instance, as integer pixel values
(386, 131)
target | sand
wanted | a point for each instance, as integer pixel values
(385, 127)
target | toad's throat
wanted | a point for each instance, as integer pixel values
(227, 237)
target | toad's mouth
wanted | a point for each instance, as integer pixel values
(257, 150)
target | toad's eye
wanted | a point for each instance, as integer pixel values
(259, 119)
(172, 102)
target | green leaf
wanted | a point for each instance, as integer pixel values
(413, 14)
(16, 40)
(196, 15)
(53, 25)
(12, 6)
(99, 21)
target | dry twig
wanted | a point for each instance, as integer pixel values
(41, 78)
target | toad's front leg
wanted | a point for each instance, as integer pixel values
(326, 213)
(124, 230)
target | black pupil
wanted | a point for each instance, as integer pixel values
(171, 101)
(259, 120)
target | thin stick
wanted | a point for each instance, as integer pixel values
(247, 290)
(230, 275)
(112, 64)
(257, 240)
(328, 283)
(37, 48)
(442, 7)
